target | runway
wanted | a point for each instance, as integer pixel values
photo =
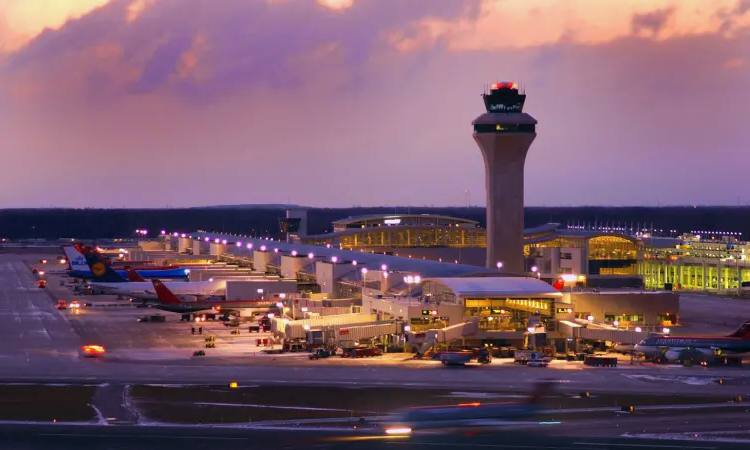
(64, 437)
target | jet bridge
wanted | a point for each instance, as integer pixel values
(427, 340)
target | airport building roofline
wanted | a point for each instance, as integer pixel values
(372, 261)
(366, 217)
(497, 287)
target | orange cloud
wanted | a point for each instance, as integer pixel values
(336, 4)
(503, 24)
(734, 63)
(136, 8)
(23, 20)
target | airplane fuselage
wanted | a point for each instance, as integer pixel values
(652, 347)
(144, 290)
(217, 305)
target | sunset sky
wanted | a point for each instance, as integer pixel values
(149, 103)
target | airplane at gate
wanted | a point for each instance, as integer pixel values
(168, 301)
(735, 344)
(80, 268)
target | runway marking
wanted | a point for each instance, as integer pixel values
(642, 445)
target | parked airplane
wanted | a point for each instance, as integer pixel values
(168, 301)
(141, 289)
(468, 414)
(133, 276)
(79, 268)
(734, 344)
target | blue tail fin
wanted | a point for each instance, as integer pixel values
(100, 270)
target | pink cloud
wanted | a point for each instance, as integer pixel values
(270, 102)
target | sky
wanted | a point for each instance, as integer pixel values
(154, 103)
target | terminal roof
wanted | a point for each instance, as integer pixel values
(367, 217)
(372, 261)
(497, 287)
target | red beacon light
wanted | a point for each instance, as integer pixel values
(505, 85)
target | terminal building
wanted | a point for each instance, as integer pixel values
(429, 294)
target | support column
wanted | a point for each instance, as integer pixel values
(719, 269)
(705, 272)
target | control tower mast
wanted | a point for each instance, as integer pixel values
(504, 134)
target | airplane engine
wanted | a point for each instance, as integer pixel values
(673, 354)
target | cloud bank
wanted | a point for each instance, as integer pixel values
(341, 102)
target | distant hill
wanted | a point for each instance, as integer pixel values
(263, 219)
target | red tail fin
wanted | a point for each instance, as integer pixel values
(743, 331)
(133, 275)
(165, 296)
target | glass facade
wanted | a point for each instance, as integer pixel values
(406, 237)
(612, 255)
(711, 275)
(508, 314)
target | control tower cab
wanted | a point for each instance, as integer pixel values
(504, 134)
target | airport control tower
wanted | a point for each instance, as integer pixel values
(504, 134)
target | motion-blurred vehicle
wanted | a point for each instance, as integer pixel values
(41, 284)
(43, 261)
(468, 415)
(62, 304)
(92, 351)
(35, 270)
(40, 273)
(74, 305)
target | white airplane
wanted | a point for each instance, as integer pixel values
(186, 290)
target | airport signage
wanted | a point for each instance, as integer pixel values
(564, 310)
(428, 312)
(501, 107)
(344, 331)
(675, 342)
(392, 221)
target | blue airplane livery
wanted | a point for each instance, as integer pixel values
(93, 267)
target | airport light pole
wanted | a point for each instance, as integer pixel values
(364, 279)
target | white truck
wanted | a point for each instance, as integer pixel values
(527, 356)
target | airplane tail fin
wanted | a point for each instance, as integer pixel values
(743, 331)
(76, 260)
(541, 389)
(133, 275)
(165, 296)
(101, 271)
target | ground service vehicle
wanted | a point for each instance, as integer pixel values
(538, 362)
(361, 352)
(320, 353)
